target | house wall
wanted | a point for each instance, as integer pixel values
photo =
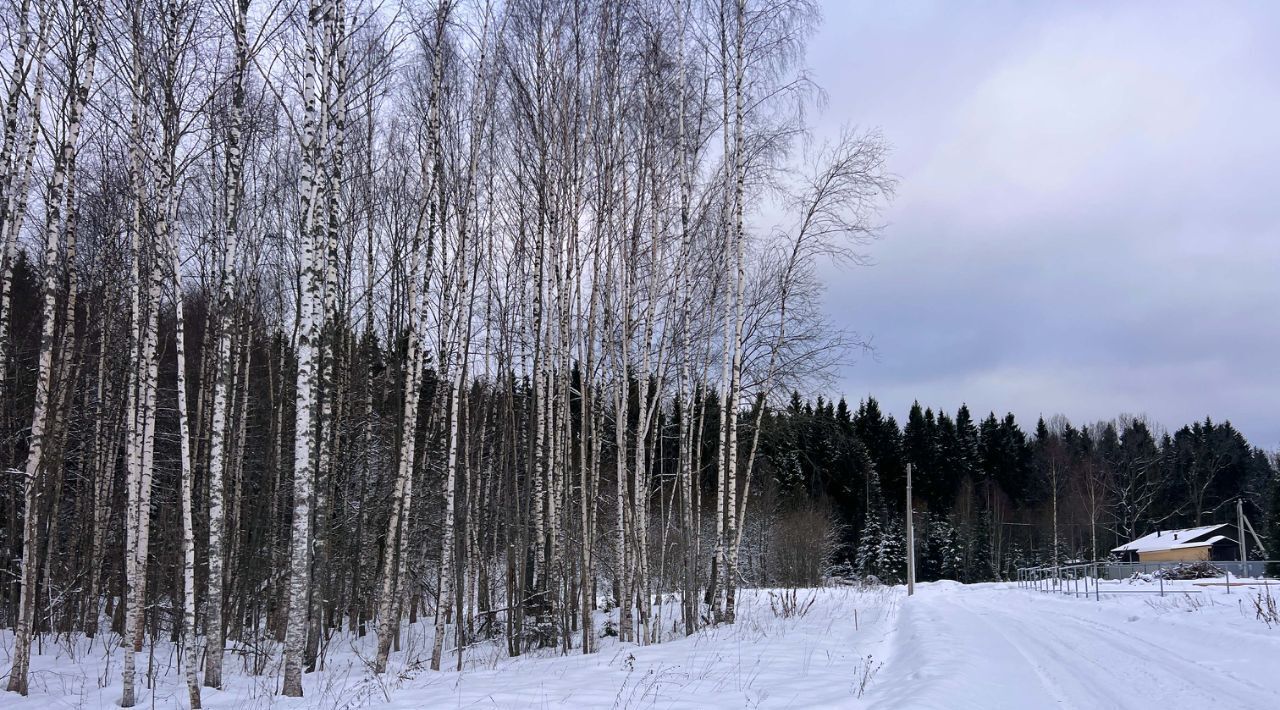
(1225, 551)
(1186, 554)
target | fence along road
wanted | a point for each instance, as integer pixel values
(1082, 579)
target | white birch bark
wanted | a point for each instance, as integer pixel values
(447, 535)
(622, 408)
(222, 386)
(588, 464)
(188, 533)
(458, 360)
(418, 281)
(738, 248)
(148, 365)
(80, 83)
(103, 480)
(308, 355)
(331, 166)
(133, 430)
(402, 495)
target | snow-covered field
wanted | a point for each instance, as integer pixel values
(950, 646)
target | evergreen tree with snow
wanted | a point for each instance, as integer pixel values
(891, 553)
(868, 545)
(882, 545)
(942, 557)
(978, 563)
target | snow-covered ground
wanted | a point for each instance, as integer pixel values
(984, 646)
(999, 646)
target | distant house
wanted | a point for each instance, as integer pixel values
(1210, 542)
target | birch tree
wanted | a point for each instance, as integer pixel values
(308, 344)
(80, 58)
(233, 186)
(472, 310)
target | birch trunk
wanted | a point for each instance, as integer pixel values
(103, 480)
(403, 491)
(460, 357)
(232, 189)
(331, 167)
(308, 355)
(188, 534)
(418, 282)
(622, 411)
(447, 537)
(738, 247)
(80, 83)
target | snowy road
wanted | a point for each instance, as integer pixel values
(997, 646)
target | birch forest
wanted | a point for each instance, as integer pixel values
(324, 318)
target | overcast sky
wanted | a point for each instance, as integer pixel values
(1088, 221)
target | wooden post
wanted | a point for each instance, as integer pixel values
(911, 540)
(1244, 547)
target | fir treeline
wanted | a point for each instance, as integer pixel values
(991, 497)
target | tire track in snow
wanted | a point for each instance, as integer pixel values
(992, 648)
(1128, 674)
(1176, 654)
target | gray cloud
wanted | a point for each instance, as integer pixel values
(1087, 220)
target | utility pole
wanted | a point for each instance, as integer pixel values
(1244, 546)
(911, 539)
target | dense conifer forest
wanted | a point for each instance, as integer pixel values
(991, 497)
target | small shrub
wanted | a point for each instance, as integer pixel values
(1185, 602)
(788, 604)
(863, 673)
(1265, 606)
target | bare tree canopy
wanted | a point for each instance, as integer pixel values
(338, 313)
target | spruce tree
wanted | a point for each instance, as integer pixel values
(979, 567)
(882, 546)
(883, 440)
(947, 455)
(891, 553)
(966, 454)
(942, 557)
(868, 544)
